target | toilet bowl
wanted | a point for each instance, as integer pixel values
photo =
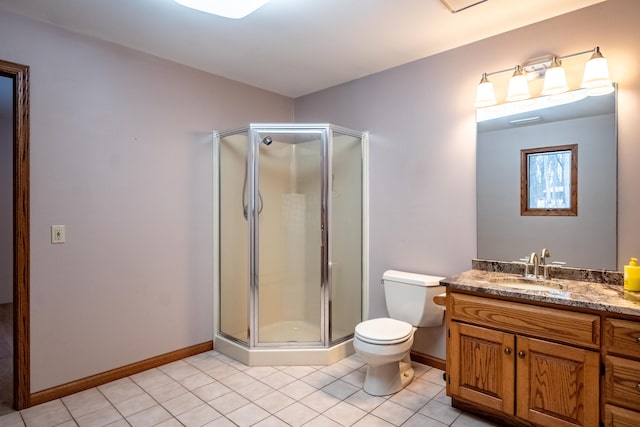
(385, 343)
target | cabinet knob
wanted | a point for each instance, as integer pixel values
(521, 354)
(638, 387)
(507, 351)
(638, 340)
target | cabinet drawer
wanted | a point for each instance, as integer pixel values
(622, 337)
(541, 322)
(618, 417)
(622, 382)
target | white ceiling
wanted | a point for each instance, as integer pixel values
(293, 47)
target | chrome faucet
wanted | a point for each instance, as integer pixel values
(544, 254)
(533, 260)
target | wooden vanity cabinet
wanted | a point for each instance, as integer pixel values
(622, 372)
(501, 358)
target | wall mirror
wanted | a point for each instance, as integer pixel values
(588, 239)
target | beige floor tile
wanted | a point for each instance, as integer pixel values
(355, 378)
(47, 414)
(434, 375)
(120, 390)
(320, 401)
(221, 422)
(254, 390)
(198, 416)
(12, 419)
(419, 420)
(322, 421)
(440, 411)
(258, 372)
(151, 379)
(340, 389)
(178, 370)
(149, 417)
(272, 421)
(336, 370)
(274, 402)
(228, 403)
(135, 404)
(393, 413)
(204, 362)
(248, 415)
(211, 391)
(182, 403)
(298, 371)
(409, 399)
(423, 387)
(196, 381)
(344, 413)
(99, 418)
(318, 379)
(167, 391)
(278, 379)
(372, 421)
(296, 414)
(297, 389)
(237, 380)
(85, 402)
(365, 401)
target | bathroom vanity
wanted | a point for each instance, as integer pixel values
(558, 352)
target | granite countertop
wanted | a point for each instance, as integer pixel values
(608, 297)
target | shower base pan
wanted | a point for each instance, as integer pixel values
(287, 356)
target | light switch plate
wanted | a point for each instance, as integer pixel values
(57, 234)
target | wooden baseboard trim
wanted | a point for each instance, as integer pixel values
(429, 360)
(115, 374)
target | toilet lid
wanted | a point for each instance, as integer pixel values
(384, 331)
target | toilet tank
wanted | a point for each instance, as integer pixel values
(409, 297)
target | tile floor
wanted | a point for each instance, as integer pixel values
(211, 389)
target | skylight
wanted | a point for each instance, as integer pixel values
(234, 9)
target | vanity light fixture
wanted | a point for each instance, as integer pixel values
(485, 96)
(234, 9)
(596, 79)
(555, 79)
(518, 86)
(596, 75)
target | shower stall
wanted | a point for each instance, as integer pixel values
(290, 242)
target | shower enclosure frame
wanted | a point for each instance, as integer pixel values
(324, 351)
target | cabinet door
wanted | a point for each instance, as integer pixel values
(481, 366)
(557, 385)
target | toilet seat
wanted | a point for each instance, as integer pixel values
(384, 331)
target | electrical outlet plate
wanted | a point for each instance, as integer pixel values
(57, 234)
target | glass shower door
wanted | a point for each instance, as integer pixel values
(289, 233)
(234, 237)
(345, 265)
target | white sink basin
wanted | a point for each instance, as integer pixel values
(528, 284)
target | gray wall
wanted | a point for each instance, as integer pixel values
(423, 134)
(121, 153)
(6, 190)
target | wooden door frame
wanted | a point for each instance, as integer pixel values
(21, 356)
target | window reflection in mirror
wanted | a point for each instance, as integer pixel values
(549, 181)
(588, 239)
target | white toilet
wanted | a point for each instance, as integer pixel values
(385, 343)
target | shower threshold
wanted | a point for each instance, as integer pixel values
(283, 356)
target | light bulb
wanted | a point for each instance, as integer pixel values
(518, 86)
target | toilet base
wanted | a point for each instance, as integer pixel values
(389, 378)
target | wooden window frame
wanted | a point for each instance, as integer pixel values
(525, 210)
